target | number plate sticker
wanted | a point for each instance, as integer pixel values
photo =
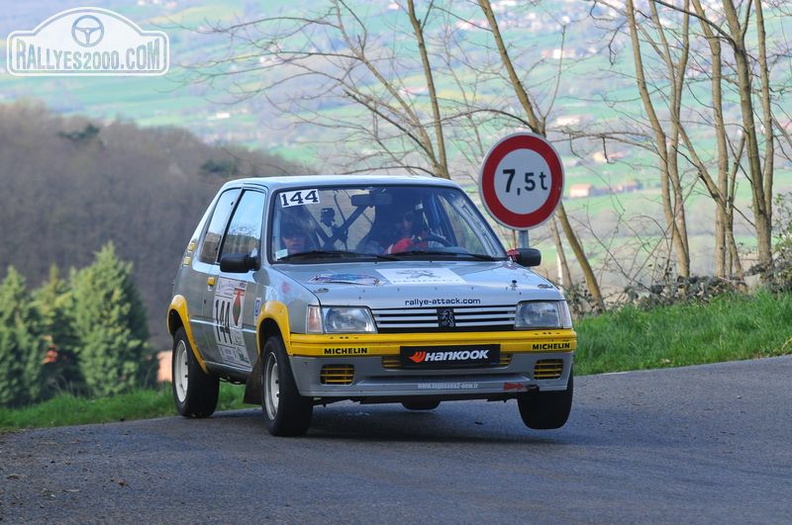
(299, 198)
(449, 356)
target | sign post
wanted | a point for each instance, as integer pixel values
(521, 182)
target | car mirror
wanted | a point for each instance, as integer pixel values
(238, 263)
(372, 199)
(526, 256)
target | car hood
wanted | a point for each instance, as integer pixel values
(422, 283)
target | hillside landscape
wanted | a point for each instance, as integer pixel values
(69, 187)
(135, 160)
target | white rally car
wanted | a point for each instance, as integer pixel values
(375, 289)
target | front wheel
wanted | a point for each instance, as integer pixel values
(194, 391)
(286, 412)
(546, 410)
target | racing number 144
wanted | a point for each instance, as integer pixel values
(298, 198)
(223, 321)
(528, 178)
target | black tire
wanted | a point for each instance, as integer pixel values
(421, 405)
(194, 391)
(546, 410)
(286, 412)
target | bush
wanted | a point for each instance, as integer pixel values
(85, 336)
(780, 277)
(22, 347)
(110, 322)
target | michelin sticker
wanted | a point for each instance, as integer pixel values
(229, 304)
(422, 276)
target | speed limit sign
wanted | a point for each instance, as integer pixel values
(521, 180)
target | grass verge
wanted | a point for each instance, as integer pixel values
(729, 328)
(67, 410)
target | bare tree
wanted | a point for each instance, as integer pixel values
(539, 125)
(335, 54)
(405, 123)
(666, 141)
(726, 46)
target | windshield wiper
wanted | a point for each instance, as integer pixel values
(477, 256)
(339, 254)
(484, 257)
(318, 254)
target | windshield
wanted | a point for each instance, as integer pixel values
(386, 223)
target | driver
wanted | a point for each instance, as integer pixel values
(406, 229)
(405, 232)
(398, 226)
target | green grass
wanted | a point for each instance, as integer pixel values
(730, 327)
(67, 410)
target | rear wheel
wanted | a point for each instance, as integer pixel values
(194, 391)
(546, 410)
(286, 412)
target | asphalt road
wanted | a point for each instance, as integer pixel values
(706, 444)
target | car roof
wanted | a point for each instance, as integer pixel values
(303, 181)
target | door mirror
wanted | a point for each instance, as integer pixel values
(238, 263)
(526, 256)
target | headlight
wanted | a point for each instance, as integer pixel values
(339, 320)
(542, 314)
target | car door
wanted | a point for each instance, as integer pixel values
(233, 298)
(203, 272)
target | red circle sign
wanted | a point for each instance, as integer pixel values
(521, 180)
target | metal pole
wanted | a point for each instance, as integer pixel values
(522, 239)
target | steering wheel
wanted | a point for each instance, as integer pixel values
(436, 238)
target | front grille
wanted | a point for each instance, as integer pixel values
(337, 374)
(392, 362)
(548, 369)
(433, 319)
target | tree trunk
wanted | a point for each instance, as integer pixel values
(440, 162)
(537, 125)
(761, 200)
(666, 147)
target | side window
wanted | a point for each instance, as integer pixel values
(244, 231)
(214, 232)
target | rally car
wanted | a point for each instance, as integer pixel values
(374, 289)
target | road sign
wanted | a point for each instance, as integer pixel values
(521, 180)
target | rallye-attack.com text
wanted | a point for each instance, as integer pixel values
(441, 302)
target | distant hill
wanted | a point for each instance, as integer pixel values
(71, 184)
(206, 112)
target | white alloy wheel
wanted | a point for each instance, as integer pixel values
(272, 387)
(180, 371)
(286, 412)
(195, 390)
